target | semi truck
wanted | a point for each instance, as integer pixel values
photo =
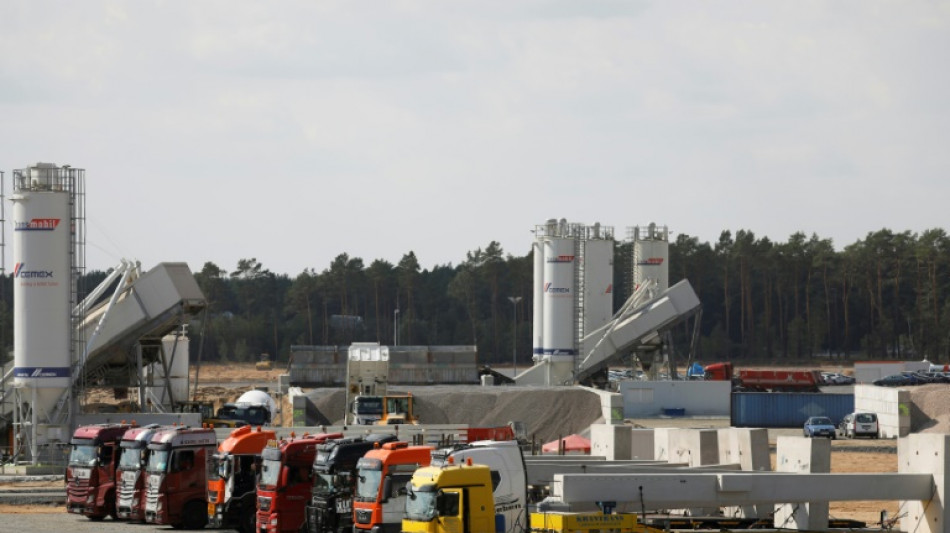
(334, 482)
(175, 490)
(755, 380)
(366, 410)
(460, 497)
(232, 483)
(508, 474)
(382, 474)
(285, 482)
(132, 462)
(91, 471)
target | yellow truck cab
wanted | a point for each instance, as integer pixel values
(452, 498)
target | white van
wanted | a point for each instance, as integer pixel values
(859, 424)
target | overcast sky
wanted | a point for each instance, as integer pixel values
(295, 131)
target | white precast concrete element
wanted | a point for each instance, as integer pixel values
(927, 453)
(695, 447)
(749, 447)
(635, 326)
(610, 440)
(598, 279)
(42, 286)
(704, 489)
(892, 405)
(868, 371)
(642, 444)
(800, 455)
(651, 253)
(558, 297)
(698, 398)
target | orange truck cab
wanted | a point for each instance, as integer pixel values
(132, 462)
(175, 490)
(380, 499)
(283, 488)
(232, 471)
(91, 471)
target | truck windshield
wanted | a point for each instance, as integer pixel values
(158, 461)
(131, 458)
(218, 467)
(369, 406)
(420, 506)
(367, 486)
(82, 455)
(270, 473)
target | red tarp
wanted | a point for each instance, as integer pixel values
(572, 444)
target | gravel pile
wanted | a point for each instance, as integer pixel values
(548, 413)
(930, 409)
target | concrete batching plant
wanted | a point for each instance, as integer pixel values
(48, 222)
(576, 334)
(573, 291)
(63, 344)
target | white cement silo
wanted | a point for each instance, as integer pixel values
(598, 277)
(42, 281)
(651, 252)
(559, 292)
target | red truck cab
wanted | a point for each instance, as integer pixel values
(133, 458)
(232, 489)
(175, 489)
(380, 499)
(283, 489)
(91, 471)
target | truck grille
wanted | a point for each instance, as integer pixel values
(263, 503)
(364, 516)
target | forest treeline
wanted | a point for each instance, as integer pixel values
(882, 297)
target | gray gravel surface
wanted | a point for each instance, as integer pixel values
(62, 522)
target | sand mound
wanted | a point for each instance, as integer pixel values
(930, 409)
(547, 413)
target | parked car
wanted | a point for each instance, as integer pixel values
(859, 424)
(836, 378)
(819, 426)
(898, 380)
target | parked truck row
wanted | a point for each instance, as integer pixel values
(255, 483)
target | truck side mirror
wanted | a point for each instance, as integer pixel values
(387, 488)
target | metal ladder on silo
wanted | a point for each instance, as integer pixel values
(580, 249)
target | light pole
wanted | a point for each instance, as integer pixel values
(396, 328)
(514, 335)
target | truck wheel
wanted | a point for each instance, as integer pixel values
(195, 515)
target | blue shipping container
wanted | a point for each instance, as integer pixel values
(786, 409)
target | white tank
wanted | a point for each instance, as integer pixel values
(537, 332)
(41, 285)
(558, 297)
(651, 251)
(177, 371)
(259, 397)
(598, 283)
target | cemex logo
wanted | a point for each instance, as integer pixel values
(556, 290)
(37, 224)
(18, 272)
(41, 372)
(561, 259)
(652, 261)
